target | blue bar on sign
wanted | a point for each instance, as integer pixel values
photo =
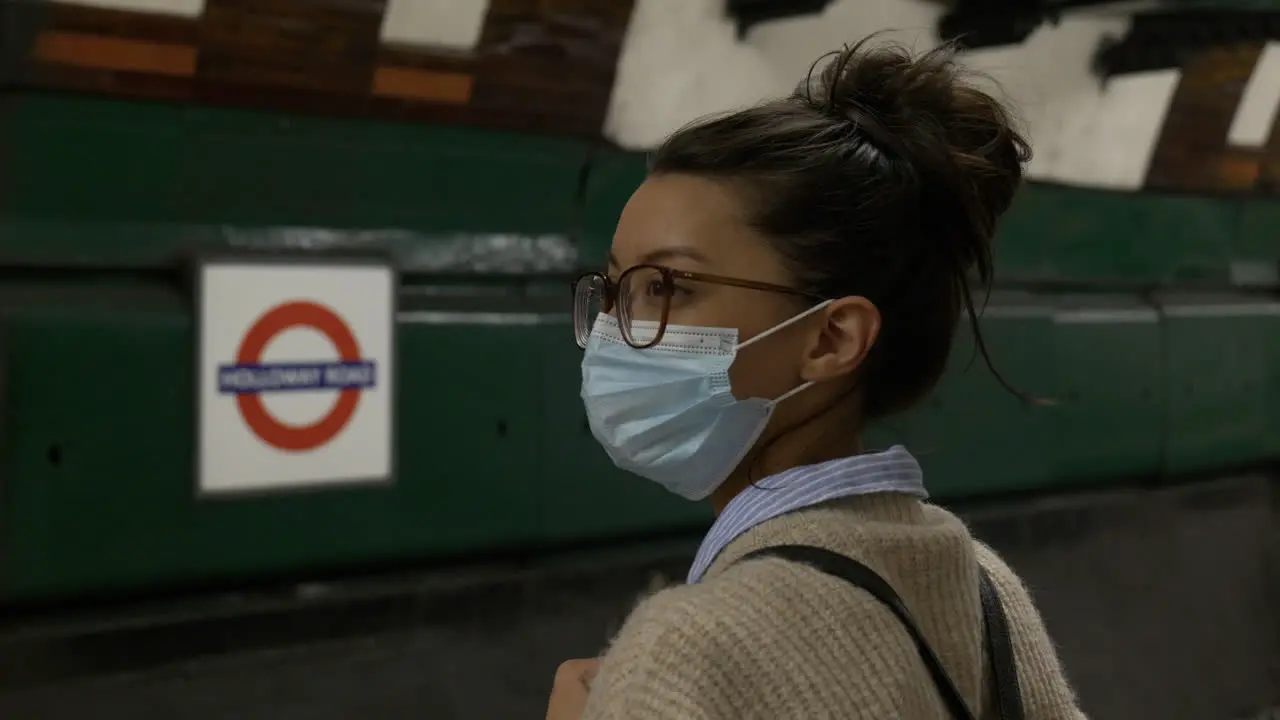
(289, 377)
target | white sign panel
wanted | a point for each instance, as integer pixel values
(447, 24)
(182, 8)
(295, 372)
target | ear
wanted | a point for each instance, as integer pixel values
(849, 327)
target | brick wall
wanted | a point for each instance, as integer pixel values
(541, 65)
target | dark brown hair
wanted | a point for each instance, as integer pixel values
(882, 175)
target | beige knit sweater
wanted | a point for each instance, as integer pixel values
(770, 639)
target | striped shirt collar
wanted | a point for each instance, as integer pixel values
(893, 470)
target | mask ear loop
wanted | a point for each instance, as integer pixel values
(776, 328)
(785, 323)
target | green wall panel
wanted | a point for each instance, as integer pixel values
(1058, 233)
(79, 162)
(98, 463)
(1109, 396)
(1256, 248)
(971, 436)
(1096, 359)
(128, 183)
(614, 176)
(1223, 375)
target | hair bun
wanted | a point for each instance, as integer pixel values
(926, 111)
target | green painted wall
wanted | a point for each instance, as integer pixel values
(118, 184)
(1159, 365)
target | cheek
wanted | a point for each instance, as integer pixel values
(762, 372)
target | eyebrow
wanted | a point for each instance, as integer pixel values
(664, 253)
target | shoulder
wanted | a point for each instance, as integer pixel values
(1014, 593)
(730, 646)
(1045, 689)
(769, 597)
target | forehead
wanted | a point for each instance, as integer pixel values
(692, 223)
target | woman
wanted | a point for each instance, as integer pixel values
(787, 274)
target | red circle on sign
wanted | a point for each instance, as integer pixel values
(298, 438)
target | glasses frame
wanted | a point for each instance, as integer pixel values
(669, 276)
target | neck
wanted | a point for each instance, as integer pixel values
(812, 442)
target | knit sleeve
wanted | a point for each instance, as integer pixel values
(663, 665)
(1046, 692)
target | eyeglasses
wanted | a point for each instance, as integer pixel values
(641, 299)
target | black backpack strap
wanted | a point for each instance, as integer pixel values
(1006, 691)
(859, 575)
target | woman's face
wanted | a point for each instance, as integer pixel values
(700, 225)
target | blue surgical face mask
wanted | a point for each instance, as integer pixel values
(667, 412)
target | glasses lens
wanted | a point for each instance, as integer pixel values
(642, 304)
(588, 296)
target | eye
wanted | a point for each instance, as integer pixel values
(657, 288)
